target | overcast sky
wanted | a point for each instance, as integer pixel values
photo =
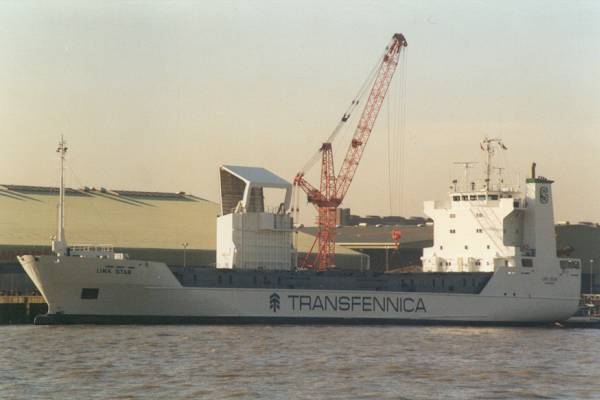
(157, 95)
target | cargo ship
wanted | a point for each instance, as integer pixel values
(493, 261)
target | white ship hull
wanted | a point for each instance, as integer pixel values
(149, 292)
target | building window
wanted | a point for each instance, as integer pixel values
(452, 215)
(456, 198)
(481, 197)
(479, 230)
(465, 198)
(478, 263)
(493, 197)
(441, 247)
(527, 262)
(452, 230)
(466, 247)
(479, 215)
(488, 246)
(473, 197)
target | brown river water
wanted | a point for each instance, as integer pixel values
(298, 362)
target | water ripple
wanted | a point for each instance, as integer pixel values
(300, 362)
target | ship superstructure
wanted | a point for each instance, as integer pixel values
(483, 229)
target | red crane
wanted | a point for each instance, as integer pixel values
(333, 189)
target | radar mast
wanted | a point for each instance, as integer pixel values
(490, 146)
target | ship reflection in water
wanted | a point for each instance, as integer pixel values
(281, 362)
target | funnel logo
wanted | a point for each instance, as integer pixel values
(274, 302)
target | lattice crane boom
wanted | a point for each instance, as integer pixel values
(332, 188)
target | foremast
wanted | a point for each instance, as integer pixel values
(59, 243)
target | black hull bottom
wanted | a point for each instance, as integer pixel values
(65, 319)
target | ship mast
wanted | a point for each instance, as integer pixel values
(489, 145)
(59, 244)
(467, 165)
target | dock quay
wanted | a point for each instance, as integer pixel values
(21, 309)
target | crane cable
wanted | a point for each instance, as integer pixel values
(367, 84)
(396, 140)
(348, 112)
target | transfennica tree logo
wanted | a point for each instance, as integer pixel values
(274, 302)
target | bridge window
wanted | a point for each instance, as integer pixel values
(473, 197)
(441, 247)
(465, 198)
(452, 215)
(481, 197)
(479, 230)
(493, 197)
(452, 230)
(456, 198)
(466, 247)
